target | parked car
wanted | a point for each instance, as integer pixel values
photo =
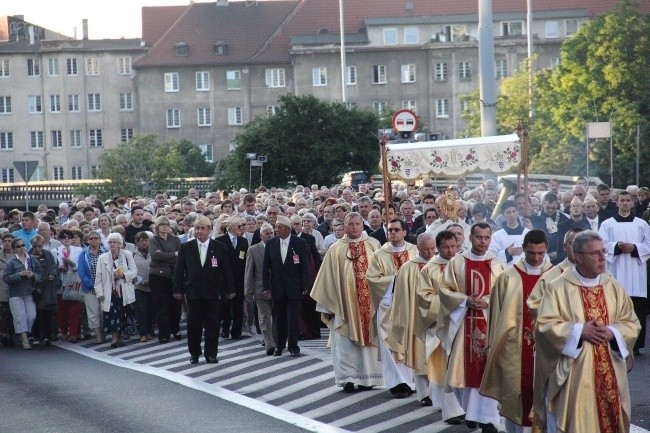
(354, 178)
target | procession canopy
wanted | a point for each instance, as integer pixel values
(410, 161)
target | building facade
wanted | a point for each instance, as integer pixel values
(202, 71)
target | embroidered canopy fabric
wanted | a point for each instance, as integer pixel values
(497, 154)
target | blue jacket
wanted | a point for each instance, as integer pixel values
(83, 268)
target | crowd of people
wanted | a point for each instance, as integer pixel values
(480, 304)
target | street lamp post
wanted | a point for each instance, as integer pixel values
(250, 157)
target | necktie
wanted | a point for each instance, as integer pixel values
(594, 226)
(283, 250)
(234, 243)
(202, 253)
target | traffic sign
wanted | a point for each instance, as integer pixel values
(26, 169)
(405, 121)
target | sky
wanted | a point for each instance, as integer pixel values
(106, 18)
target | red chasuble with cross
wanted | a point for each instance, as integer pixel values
(478, 282)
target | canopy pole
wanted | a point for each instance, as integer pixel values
(388, 189)
(522, 133)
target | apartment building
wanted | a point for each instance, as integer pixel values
(203, 70)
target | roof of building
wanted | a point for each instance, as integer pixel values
(262, 32)
(71, 45)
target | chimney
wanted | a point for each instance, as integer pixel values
(84, 26)
(222, 2)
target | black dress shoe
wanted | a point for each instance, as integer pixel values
(401, 394)
(270, 351)
(225, 334)
(163, 340)
(488, 428)
(294, 352)
(364, 388)
(455, 420)
(178, 336)
(211, 359)
(349, 387)
(194, 359)
(278, 352)
(471, 424)
(426, 402)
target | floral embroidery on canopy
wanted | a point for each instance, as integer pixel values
(498, 154)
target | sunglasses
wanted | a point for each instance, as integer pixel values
(394, 230)
(20, 246)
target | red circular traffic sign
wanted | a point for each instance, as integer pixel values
(405, 121)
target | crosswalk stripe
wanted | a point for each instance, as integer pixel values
(371, 411)
(302, 401)
(259, 373)
(274, 380)
(283, 392)
(345, 401)
(233, 369)
(397, 421)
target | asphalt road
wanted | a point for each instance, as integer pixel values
(55, 390)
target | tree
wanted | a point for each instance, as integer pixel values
(307, 141)
(143, 164)
(601, 77)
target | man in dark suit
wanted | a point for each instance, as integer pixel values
(286, 274)
(204, 276)
(237, 246)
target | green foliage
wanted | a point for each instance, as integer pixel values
(601, 77)
(143, 164)
(307, 141)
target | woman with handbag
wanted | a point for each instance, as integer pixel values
(143, 301)
(163, 248)
(45, 291)
(70, 296)
(116, 271)
(21, 274)
(87, 272)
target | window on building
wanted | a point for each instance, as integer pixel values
(408, 73)
(34, 104)
(56, 139)
(442, 108)
(464, 71)
(275, 77)
(220, 49)
(77, 173)
(350, 105)
(4, 67)
(126, 101)
(570, 27)
(512, 28)
(441, 71)
(126, 134)
(203, 81)
(409, 105)
(319, 76)
(554, 62)
(94, 102)
(551, 29)
(351, 75)
(94, 172)
(36, 139)
(173, 118)
(57, 172)
(92, 66)
(6, 140)
(390, 36)
(55, 103)
(52, 67)
(38, 174)
(5, 104)
(7, 175)
(232, 147)
(501, 66)
(379, 107)
(124, 65)
(73, 103)
(171, 82)
(75, 138)
(33, 67)
(204, 117)
(272, 110)
(71, 66)
(379, 74)
(411, 35)
(234, 116)
(182, 49)
(233, 80)
(95, 138)
(465, 106)
(206, 150)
